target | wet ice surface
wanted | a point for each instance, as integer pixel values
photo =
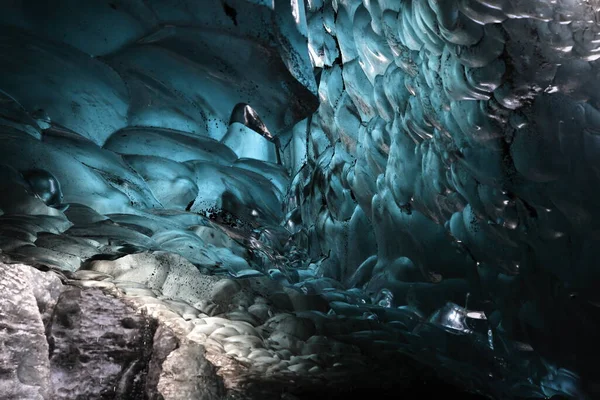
(440, 202)
(453, 136)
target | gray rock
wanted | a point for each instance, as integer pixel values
(67, 342)
(24, 364)
(186, 374)
(99, 347)
(164, 343)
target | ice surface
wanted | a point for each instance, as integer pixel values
(455, 135)
(75, 90)
(430, 166)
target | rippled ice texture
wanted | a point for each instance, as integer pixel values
(454, 158)
(429, 164)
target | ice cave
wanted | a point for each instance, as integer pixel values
(299, 199)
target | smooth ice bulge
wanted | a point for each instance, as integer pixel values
(294, 181)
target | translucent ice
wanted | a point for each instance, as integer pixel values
(415, 176)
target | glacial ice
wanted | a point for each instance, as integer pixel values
(428, 166)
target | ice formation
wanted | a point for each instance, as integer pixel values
(412, 176)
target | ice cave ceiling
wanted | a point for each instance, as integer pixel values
(428, 170)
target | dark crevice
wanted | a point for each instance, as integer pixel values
(231, 13)
(190, 205)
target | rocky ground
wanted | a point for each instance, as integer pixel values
(102, 333)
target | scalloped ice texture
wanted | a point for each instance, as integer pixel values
(137, 150)
(463, 132)
(416, 153)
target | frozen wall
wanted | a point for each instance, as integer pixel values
(425, 169)
(454, 158)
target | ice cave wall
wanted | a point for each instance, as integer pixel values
(452, 158)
